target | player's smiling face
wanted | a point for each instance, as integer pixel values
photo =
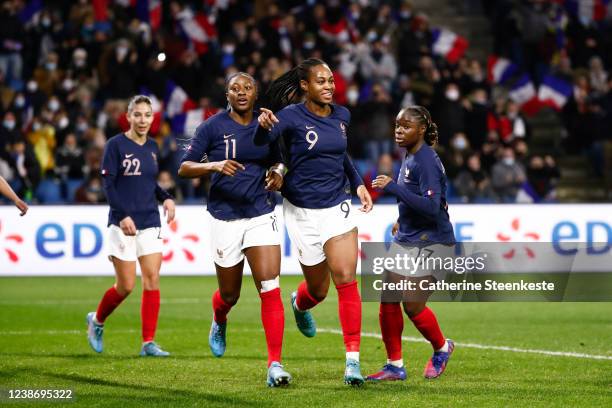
(241, 94)
(320, 86)
(140, 119)
(408, 130)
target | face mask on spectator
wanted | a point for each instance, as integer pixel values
(352, 95)
(508, 161)
(63, 122)
(54, 105)
(32, 86)
(452, 94)
(405, 14)
(81, 127)
(51, 66)
(68, 84)
(36, 126)
(9, 124)
(19, 102)
(166, 185)
(309, 45)
(229, 48)
(460, 143)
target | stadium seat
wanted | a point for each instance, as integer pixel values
(72, 185)
(49, 192)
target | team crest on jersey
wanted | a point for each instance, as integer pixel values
(220, 253)
(154, 157)
(343, 129)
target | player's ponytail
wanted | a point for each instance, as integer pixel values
(431, 134)
(286, 89)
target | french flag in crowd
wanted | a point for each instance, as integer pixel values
(500, 70)
(589, 10)
(337, 32)
(524, 94)
(448, 44)
(177, 100)
(30, 11)
(186, 123)
(149, 11)
(198, 30)
(554, 92)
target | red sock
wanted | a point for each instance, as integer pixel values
(349, 311)
(427, 324)
(273, 319)
(220, 308)
(109, 302)
(391, 321)
(304, 300)
(149, 312)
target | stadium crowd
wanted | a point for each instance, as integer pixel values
(67, 70)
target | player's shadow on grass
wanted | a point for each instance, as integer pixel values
(168, 394)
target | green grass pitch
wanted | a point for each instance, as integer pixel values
(43, 345)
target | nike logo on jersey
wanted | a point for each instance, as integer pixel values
(127, 156)
(226, 136)
(309, 127)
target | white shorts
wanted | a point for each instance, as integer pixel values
(130, 248)
(230, 238)
(311, 228)
(431, 259)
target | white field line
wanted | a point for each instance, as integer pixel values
(485, 346)
(339, 332)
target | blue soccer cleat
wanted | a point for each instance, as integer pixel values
(216, 338)
(94, 333)
(437, 363)
(389, 373)
(304, 320)
(151, 349)
(352, 373)
(277, 376)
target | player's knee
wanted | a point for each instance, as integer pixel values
(124, 288)
(319, 294)
(412, 308)
(230, 298)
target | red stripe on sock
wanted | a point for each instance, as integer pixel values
(304, 300)
(273, 320)
(109, 302)
(349, 311)
(391, 321)
(427, 324)
(220, 308)
(149, 312)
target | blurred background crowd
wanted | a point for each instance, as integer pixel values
(68, 68)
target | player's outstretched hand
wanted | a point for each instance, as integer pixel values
(229, 167)
(366, 199)
(274, 181)
(267, 119)
(127, 226)
(169, 210)
(381, 181)
(23, 207)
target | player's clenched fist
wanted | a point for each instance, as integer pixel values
(229, 167)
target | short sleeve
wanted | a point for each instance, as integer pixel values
(197, 150)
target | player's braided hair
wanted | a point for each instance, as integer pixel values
(421, 114)
(286, 89)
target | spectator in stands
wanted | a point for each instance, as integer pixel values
(542, 175)
(473, 184)
(69, 161)
(91, 191)
(379, 112)
(507, 176)
(450, 113)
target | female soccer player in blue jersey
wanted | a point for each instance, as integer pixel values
(243, 223)
(317, 205)
(129, 170)
(423, 222)
(7, 191)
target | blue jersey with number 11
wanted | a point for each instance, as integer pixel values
(243, 195)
